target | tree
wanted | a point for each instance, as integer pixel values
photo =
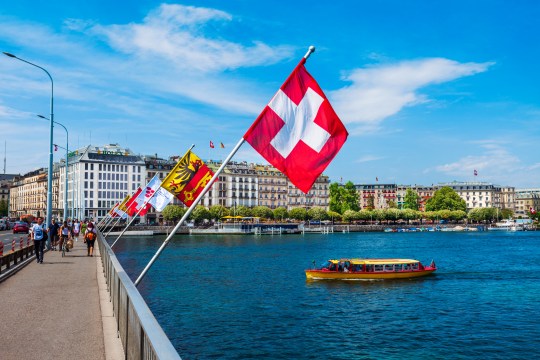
(280, 213)
(411, 200)
(173, 212)
(298, 214)
(200, 213)
(350, 197)
(262, 212)
(446, 199)
(391, 204)
(335, 197)
(317, 213)
(3, 208)
(217, 212)
(507, 214)
(242, 211)
(334, 216)
(350, 215)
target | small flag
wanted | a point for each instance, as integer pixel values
(377, 179)
(188, 178)
(532, 210)
(161, 199)
(55, 147)
(475, 172)
(211, 144)
(222, 146)
(298, 131)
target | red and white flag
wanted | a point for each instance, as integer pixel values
(211, 144)
(298, 132)
(532, 210)
(161, 199)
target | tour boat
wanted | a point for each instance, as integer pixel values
(370, 269)
(507, 225)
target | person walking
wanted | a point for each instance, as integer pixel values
(90, 237)
(38, 235)
(76, 229)
(53, 235)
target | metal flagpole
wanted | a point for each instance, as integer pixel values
(198, 199)
(116, 223)
(189, 210)
(146, 202)
(132, 219)
(107, 221)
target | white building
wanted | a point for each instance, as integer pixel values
(98, 178)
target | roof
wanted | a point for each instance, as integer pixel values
(377, 261)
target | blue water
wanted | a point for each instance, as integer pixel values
(246, 297)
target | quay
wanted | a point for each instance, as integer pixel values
(78, 307)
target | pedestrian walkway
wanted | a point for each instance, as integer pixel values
(52, 310)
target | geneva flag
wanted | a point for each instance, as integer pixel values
(298, 132)
(188, 178)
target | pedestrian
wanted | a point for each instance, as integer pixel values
(53, 235)
(90, 237)
(76, 229)
(83, 226)
(38, 235)
(65, 234)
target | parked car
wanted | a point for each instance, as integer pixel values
(20, 227)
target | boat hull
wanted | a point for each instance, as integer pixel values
(335, 275)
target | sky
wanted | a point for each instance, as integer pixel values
(429, 91)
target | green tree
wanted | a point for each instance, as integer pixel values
(446, 199)
(317, 213)
(3, 208)
(173, 212)
(298, 214)
(334, 216)
(392, 214)
(200, 213)
(350, 198)
(263, 212)
(280, 214)
(335, 197)
(350, 216)
(241, 211)
(217, 212)
(506, 214)
(411, 200)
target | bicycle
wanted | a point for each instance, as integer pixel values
(64, 245)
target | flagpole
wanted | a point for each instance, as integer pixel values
(106, 223)
(112, 227)
(310, 51)
(104, 220)
(145, 203)
(189, 210)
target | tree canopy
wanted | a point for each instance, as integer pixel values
(343, 198)
(411, 200)
(446, 199)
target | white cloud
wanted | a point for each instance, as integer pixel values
(378, 92)
(368, 158)
(176, 33)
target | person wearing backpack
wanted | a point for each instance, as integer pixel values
(90, 236)
(39, 236)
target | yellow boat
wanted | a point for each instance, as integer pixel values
(370, 269)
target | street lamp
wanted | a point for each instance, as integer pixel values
(67, 163)
(49, 173)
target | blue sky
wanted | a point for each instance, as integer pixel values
(428, 90)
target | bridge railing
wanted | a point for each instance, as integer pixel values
(13, 256)
(141, 335)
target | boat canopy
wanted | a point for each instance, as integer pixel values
(375, 261)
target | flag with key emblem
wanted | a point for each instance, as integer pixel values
(298, 132)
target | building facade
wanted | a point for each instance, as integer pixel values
(478, 194)
(525, 200)
(28, 194)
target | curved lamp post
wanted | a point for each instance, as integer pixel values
(49, 173)
(67, 165)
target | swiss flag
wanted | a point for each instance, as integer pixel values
(298, 132)
(211, 144)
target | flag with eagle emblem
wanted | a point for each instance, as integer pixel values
(188, 178)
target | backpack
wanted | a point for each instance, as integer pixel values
(91, 236)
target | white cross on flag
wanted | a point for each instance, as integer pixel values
(298, 132)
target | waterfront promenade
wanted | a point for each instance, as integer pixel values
(58, 310)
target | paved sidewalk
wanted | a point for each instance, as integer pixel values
(52, 310)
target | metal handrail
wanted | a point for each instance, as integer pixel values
(141, 335)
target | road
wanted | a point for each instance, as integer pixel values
(6, 236)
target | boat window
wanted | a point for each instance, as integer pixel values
(415, 266)
(398, 267)
(389, 267)
(379, 267)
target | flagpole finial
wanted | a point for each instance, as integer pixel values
(309, 52)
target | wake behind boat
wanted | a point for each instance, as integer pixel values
(370, 269)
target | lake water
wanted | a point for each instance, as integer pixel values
(246, 297)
